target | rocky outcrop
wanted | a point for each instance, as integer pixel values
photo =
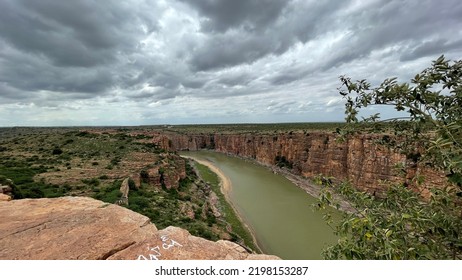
(6, 191)
(359, 159)
(84, 228)
(124, 189)
(167, 173)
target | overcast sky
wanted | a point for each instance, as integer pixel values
(137, 62)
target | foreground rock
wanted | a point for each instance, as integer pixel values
(84, 228)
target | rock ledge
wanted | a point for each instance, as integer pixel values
(84, 228)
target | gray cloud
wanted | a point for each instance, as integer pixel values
(237, 79)
(232, 55)
(78, 48)
(431, 48)
(297, 22)
(396, 24)
(34, 73)
(222, 15)
(81, 33)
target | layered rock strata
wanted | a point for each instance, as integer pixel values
(360, 159)
(167, 173)
(85, 228)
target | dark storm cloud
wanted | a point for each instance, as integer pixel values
(431, 48)
(233, 49)
(193, 83)
(400, 24)
(32, 73)
(67, 46)
(248, 39)
(153, 53)
(222, 15)
(77, 33)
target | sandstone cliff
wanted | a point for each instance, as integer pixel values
(167, 172)
(359, 159)
(84, 228)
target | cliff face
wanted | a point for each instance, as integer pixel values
(167, 172)
(360, 159)
(84, 228)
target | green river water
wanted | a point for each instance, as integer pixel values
(279, 213)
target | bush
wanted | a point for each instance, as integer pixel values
(57, 151)
(403, 225)
(92, 182)
(281, 162)
(141, 202)
(131, 184)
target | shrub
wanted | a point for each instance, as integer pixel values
(92, 182)
(57, 151)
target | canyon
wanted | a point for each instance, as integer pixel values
(90, 229)
(360, 159)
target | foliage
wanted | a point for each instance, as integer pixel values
(91, 182)
(131, 184)
(110, 193)
(434, 105)
(267, 128)
(281, 161)
(22, 182)
(403, 225)
(57, 151)
(399, 226)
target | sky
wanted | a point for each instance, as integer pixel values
(141, 62)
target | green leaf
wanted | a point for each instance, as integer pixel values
(406, 216)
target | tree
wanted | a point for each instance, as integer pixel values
(434, 105)
(403, 225)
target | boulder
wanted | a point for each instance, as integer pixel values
(4, 197)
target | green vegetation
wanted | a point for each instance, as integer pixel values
(269, 128)
(402, 224)
(281, 161)
(22, 174)
(239, 232)
(108, 193)
(44, 162)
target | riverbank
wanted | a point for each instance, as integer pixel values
(238, 225)
(310, 187)
(303, 183)
(279, 212)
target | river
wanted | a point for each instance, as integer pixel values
(278, 213)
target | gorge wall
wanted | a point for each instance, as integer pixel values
(360, 159)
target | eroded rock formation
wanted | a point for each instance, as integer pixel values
(360, 159)
(85, 228)
(168, 172)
